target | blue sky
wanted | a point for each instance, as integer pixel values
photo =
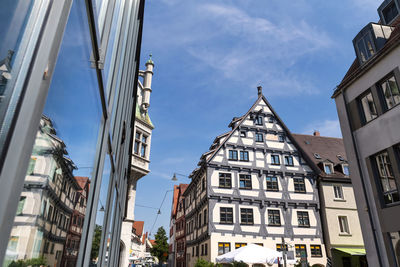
(211, 55)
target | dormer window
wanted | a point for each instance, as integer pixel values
(365, 47)
(346, 169)
(388, 11)
(328, 168)
(370, 40)
(271, 120)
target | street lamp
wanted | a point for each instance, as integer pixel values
(102, 207)
(176, 179)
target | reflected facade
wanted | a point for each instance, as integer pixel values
(68, 86)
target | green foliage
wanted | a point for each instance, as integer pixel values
(160, 248)
(94, 253)
(35, 262)
(240, 264)
(203, 263)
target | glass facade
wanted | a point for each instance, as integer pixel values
(68, 77)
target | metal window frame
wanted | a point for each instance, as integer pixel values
(28, 112)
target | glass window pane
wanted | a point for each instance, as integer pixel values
(64, 149)
(368, 106)
(15, 16)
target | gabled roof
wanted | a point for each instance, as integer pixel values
(82, 181)
(280, 121)
(178, 192)
(138, 226)
(328, 148)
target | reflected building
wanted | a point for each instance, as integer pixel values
(47, 201)
(140, 156)
(71, 247)
(92, 105)
(5, 73)
(368, 106)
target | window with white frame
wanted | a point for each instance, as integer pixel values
(343, 225)
(338, 191)
(140, 147)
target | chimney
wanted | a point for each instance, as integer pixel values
(259, 90)
(147, 78)
(316, 133)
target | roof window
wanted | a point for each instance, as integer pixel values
(340, 157)
(317, 156)
(388, 11)
(370, 40)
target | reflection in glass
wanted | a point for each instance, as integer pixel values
(50, 215)
(16, 18)
(368, 106)
(386, 178)
(391, 92)
(101, 210)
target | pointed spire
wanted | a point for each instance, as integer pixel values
(259, 90)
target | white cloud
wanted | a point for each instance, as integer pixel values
(244, 48)
(326, 128)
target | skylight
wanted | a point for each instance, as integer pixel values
(340, 157)
(317, 156)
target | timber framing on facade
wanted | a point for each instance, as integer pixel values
(254, 186)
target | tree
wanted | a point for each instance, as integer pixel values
(94, 254)
(160, 248)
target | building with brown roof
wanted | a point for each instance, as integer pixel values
(341, 226)
(71, 248)
(367, 101)
(177, 239)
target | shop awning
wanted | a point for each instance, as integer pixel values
(353, 251)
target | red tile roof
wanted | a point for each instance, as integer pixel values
(82, 181)
(152, 242)
(178, 191)
(138, 226)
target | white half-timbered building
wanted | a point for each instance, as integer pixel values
(253, 186)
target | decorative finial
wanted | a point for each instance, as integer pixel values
(259, 90)
(150, 61)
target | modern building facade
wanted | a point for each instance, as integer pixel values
(71, 247)
(340, 223)
(78, 63)
(254, 186)
(177, 239)
(140, 156)
(367, 103)
(46, 203)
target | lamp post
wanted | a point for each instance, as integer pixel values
(176, 179)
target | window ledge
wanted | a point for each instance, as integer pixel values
(345, 234)
(339, 199)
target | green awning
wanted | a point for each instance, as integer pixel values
(353, 251)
